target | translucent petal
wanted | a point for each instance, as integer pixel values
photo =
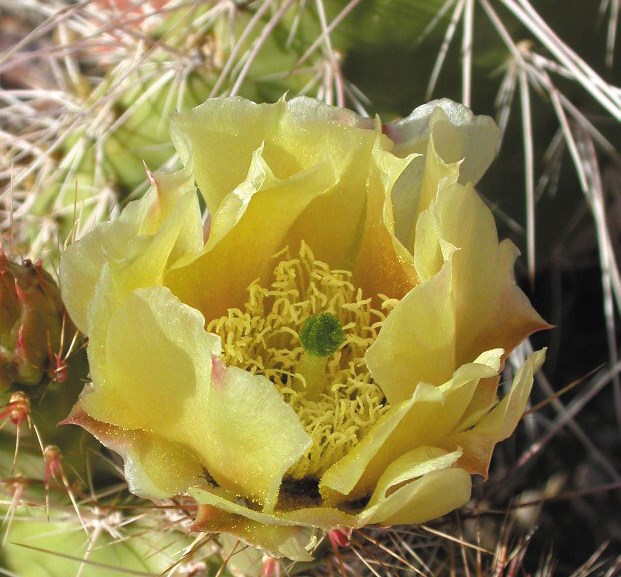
(417, 340)
(235, 423)
(490, 310)
(293, 542)
(295, 136)
(429, 497)
(478, 442)
(169, 203)
(459, 136)
(428, 418)
(325, 518)
(262, 231)
(412, 465)
(383, 265)
(154, 467)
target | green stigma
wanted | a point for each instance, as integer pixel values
(321, 335)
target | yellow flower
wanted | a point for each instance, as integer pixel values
(329, 355)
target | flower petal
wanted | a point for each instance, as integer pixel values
(291, 541)
(154, 467)
(383, 265)
(426, 419)
(205, 135)
(459, 136)
(325, 518)
(218, 279)
(490, 309)
(412, 199)
(429, 497)
(417, 341)
(412, 465)
(471, 305)
(317, 161)
(479, 441)
(252, 437)
(170, 203)
(295, 136)
(235, 423)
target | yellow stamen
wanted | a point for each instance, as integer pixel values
(335, 399)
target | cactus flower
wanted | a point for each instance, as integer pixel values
(325, 352)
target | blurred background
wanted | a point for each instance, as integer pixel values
(85, 92)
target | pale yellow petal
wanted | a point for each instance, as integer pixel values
(460, 136)
(417, 340)
(341, 479)
(322, 517)
(170, 203)
(218, 279)
(454, 146)
(278, 540)
(251, 436)
(437, 176)
(430, 416)
(412, 465)
(295, 136)
(478, 442)
(154, 467)
(429, 497)
(383, 265)
(154, 357)
(315, 162)
(490, 309)
(235, 423)
(233, 206)
(230, 128)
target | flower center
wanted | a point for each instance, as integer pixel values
(308, 333)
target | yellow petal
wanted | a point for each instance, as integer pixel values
(252, 437)
(293, 542)
(210, 132)
(431, 250)
(170, 203)
(412, 465)
(234, 205)
(478, 442)
(459, 136)
(154, 467)
(417, 340)
(218, 279)
(490, 310)
(235, 423)
(154, 357)
(438, 175)
(451, 145)
(471, 305)
(324, 518)
(430, 416)
(295, 136)
(429, 497)
(314, 161)
(383, 265)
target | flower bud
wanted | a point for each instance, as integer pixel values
(31, 323)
